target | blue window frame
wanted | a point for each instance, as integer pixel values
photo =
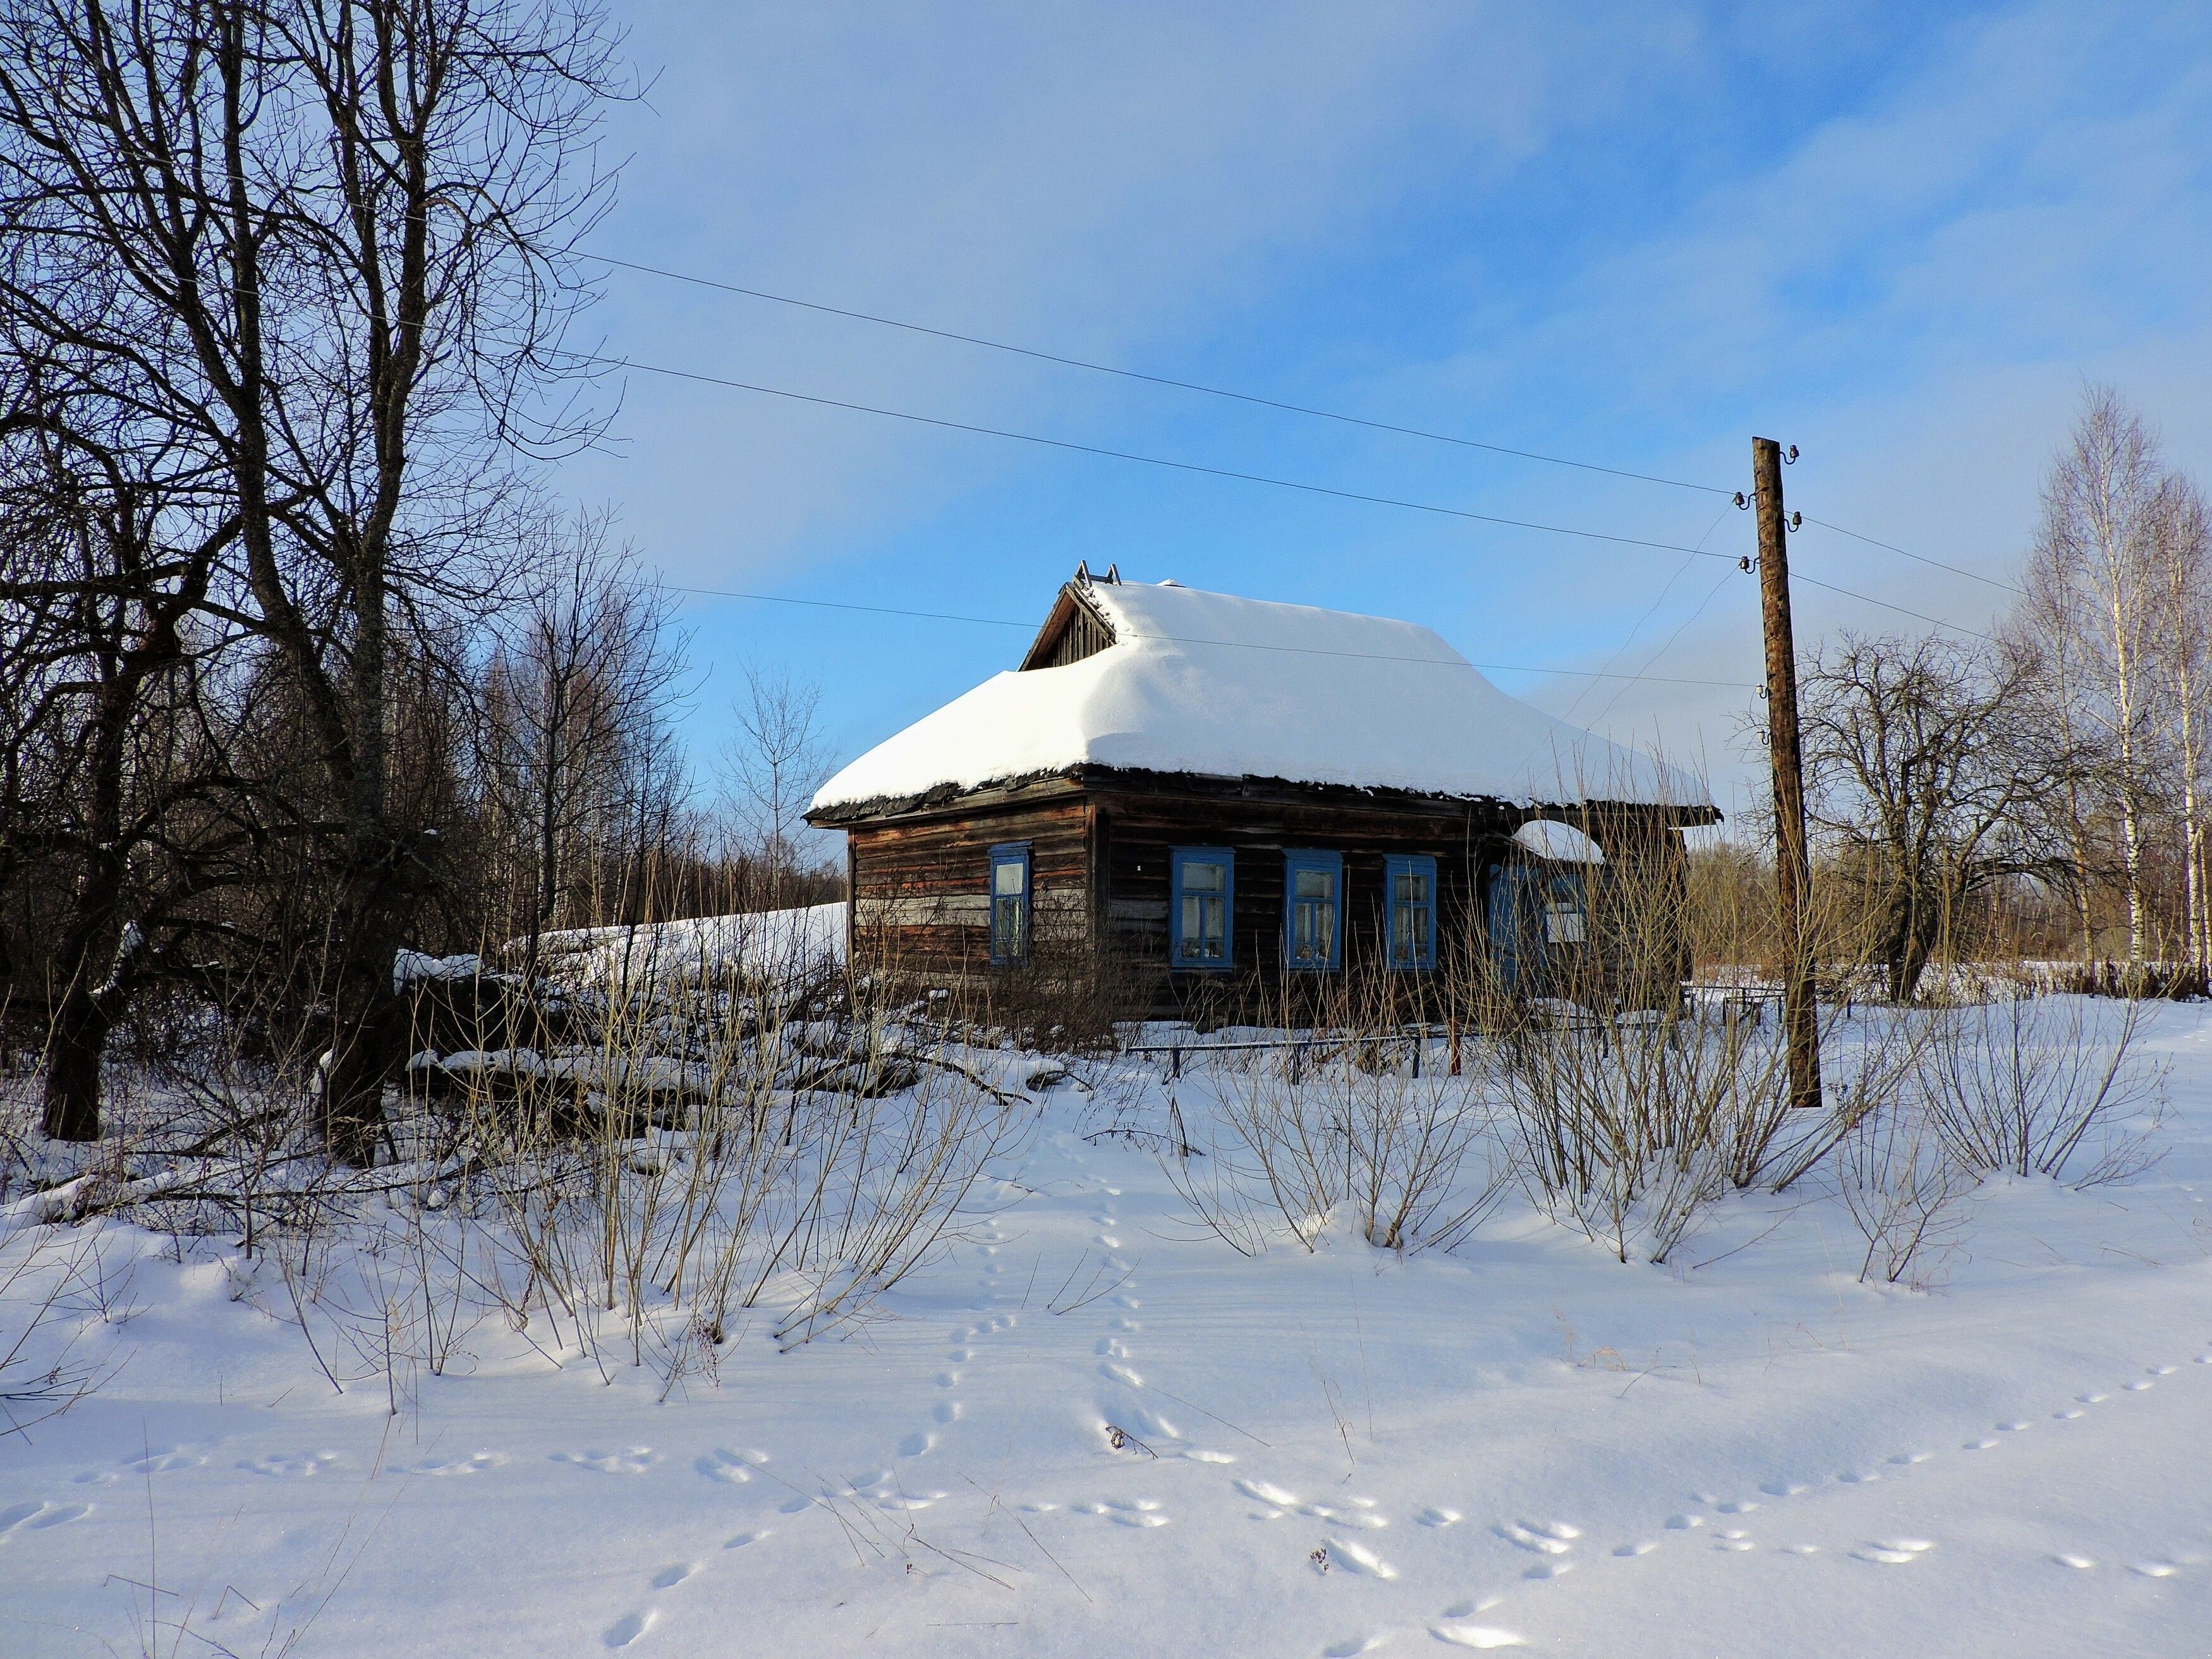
(1010, 904)
(1201, 907)
(1313, 911)
(1409, 886)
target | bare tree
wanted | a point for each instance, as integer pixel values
(2095, 599)
(1925, 764)
(120, 804)
(2182, 553)
(330, 240)
(772, 769)
(573, 714)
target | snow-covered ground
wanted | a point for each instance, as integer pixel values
(1746, 1452)
(789, 942)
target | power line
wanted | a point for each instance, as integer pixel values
(1907, 552)
(1176, 639)
(1868, 599)
(1154, 380)
(1255, 399)
(1145, 460)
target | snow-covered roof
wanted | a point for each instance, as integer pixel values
(1224, 687)
(1562, 843)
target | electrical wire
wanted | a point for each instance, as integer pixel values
(1146, 460)
(1177, 639)
(1868, 599)
(1153, 379)
(1921, 558)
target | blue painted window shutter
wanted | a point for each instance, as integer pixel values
(1409, 885)
(1010, 904)
(1201, 907)
(1313, 910)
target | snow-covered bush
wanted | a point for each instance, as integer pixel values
(1350, 1125)
(1902, 1188)
(2033, 1085)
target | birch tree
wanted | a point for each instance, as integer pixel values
(2095, 595)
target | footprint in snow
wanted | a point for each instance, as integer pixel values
(1121, 1374)
(1906, 1459)
(1733, 1540)
(948, 1379)
(1138, 1512)
(1475, 1636)
(1200, 1455)
(2138, 1384)
(917, 1444)
(1359, 1517)
(2079, 1563)
(745, 1538)
(2068, 1413)
(635, 1461)
(1267, 1492)
(1782, 1488)
(1550, 1569)
(735, 1466)
(37, 1516)
(146, 1463)
(2159, 1371)
(1984, 1445)
(1684, 1523)
(1526, 1539)
(2016, 1425)
(627, 1628)
(1436, 1516)
(908, 1500)
(961, 1356)
(1642, 1546)
(670, 1577)
(1352, 1646)
(1858, 1477)
(1361, 1558)
(1893, 1552)
(1745, 1505)
(475, 1464)
(2154, 1569)
(2093, 1399)
(304, 1463)
(947, 1411)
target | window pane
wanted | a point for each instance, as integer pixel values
(1008, 876)
(1316, 884)
(1206, 877)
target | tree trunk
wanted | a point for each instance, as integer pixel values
(76, 1042)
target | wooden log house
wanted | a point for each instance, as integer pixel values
(1213, 795)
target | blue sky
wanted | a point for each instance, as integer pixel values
(1897, 236)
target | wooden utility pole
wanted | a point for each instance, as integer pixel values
(1793, 866)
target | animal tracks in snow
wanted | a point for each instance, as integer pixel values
(37, 1516)
(476, 1463)
(735, 1466)
(1893, 1552)
(635, 1461)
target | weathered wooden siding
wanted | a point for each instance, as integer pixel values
(1138, 833)
(1100, 849)
(920, 899)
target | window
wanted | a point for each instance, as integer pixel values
(1563, 912)
(1313, 902)
(1410, 882)
(1201, 907)
(1010, 904)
